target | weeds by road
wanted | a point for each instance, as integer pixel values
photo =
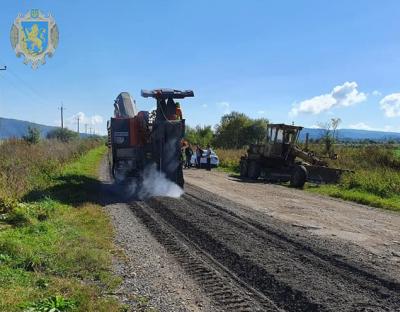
(25, 167)
(55, 251)
(376, 180)
(229, 159)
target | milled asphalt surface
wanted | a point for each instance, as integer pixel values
(152, 278)
(205, 252)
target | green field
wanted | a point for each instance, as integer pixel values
(397, 152)
(56, 241)
(376, 181)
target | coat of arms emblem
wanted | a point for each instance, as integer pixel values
(34, 36)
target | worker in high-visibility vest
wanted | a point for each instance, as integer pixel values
(178, 111)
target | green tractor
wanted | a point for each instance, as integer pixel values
(279, 159)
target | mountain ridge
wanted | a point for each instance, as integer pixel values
(15, 128)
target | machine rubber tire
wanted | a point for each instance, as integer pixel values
(243, 168)
(253, 170)
(299, 177)
(179, 177)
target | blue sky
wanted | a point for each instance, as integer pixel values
(302, 61)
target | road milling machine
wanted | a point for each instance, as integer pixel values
(138, 139)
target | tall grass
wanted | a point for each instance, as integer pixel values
(24, 166)
(53, 251)
(229, 158)
(376, 177)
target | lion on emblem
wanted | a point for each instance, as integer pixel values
(34, 37)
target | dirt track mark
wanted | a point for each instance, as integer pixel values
(345, 267)
(296, 276)
(218, 282)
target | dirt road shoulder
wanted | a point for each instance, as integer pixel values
(375, 230)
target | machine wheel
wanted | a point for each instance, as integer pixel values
(253, 170)
(179, 177)
(243, 168)
(299, 177)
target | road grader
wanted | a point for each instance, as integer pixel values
(280, 159)
(138, 139)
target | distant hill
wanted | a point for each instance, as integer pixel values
(352, 134)
(13, 128)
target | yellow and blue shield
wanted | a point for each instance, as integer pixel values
(34, 36)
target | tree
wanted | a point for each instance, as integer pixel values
(62, 134)
(256, 131)
(329, 136)
(237, 130)
(199, 135)
(33, 135)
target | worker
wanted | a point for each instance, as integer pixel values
(178, 111)
(208, 157)
(199, 154)
(188, 154)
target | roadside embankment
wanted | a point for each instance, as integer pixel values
(55, 239)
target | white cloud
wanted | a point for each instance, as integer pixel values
(390, 104)
(224, 106)
(341, 96)
(204, 105)
(83, 119)
(96, 120)
(376, 93)
(261, 112)
(90, 122)
(361, 126)
(315, 127)
(364, 126)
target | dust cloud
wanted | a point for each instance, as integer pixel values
(154, 183)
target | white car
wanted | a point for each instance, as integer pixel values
(203, 159)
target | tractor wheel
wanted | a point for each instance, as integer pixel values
(243, 168)
(179, 177)
(299, 177)
(253, 170)
(118, 175)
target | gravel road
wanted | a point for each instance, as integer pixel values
(375, 230)
(152, 278)
(207, 252)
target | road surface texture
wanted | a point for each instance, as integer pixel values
(227, 245)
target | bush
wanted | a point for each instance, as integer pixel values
(33, 135)
(63, 135)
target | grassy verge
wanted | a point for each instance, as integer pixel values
(358, 196)
(376, 181)
(56, 244)
(229, 160)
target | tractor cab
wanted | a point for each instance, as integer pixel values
(280, 138)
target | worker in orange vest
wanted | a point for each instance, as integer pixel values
(178, 111)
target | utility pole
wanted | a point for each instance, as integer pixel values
(62, 108)
(86, 128)
(78, 119)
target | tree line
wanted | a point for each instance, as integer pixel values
(234, 131)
